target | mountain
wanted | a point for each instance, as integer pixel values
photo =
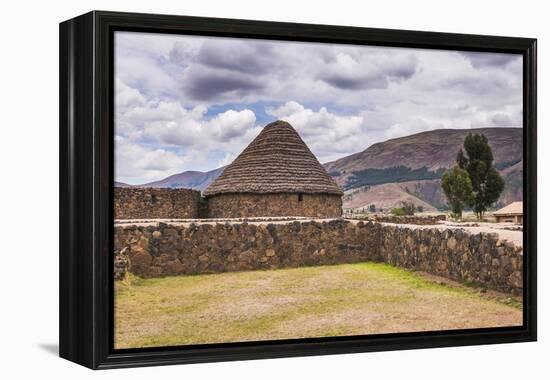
(121, 184)
(423, 154)
(385, 196)
(416, 163)
(189, 179)
(513, 179)
(407, 168)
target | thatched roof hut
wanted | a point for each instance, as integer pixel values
(276, 161)
(276, 164)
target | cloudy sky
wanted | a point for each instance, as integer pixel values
(193, 103)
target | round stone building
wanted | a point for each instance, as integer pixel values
(276, 175)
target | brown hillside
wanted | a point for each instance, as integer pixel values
(432, 149)
(385, 196)
(513, 184)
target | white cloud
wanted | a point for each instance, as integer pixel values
(127, 97)
(158, 138)
(227, 159)
(230, 124)
(136, 163)
(203, 99)
(366, 72)
(327, 134)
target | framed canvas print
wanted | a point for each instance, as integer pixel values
(237, 189)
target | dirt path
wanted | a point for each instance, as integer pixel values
(353, 299)
(503, 230)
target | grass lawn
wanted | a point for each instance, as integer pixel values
(351, 299)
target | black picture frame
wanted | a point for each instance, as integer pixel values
(86, 188)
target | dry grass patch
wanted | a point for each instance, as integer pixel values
(351, 299)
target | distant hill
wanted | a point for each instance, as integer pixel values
(188, 179)
(513, 178)
(385, 196)
(419, 160)
(121, 184)
(406, 168)
(426, 151)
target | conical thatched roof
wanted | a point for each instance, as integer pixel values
(276, 161)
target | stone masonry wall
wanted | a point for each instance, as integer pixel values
(167, 249)
(412, 219)
(170, 249)
(155, 203)
(421, 220)
(456, 254)
(282, 204)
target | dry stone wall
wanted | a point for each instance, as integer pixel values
(421, 220)
(170, 249)
(456, 254)
(156, 203)
(277, 204)
(211, 248)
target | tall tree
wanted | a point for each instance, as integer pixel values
(460, 159)
(457, 187)
(487, 184)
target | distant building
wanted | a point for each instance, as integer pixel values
(513, 213)
(276, 175)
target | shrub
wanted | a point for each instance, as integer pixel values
(408, 207)
(398, 211)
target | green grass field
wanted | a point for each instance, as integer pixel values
(351, 299)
